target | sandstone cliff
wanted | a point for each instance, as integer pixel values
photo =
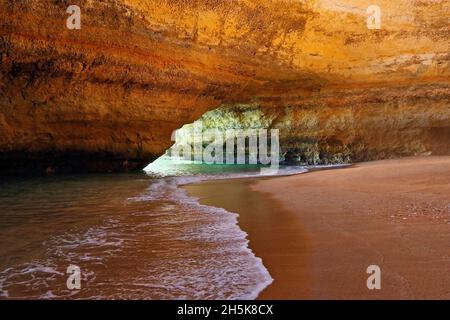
(108, 96)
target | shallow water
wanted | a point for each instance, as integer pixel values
(134, 236)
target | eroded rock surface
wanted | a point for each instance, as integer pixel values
(107, 97)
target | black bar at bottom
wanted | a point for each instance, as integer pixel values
(222, 309)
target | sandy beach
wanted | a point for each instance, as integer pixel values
(318, 232)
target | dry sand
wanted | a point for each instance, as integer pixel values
(318, 232)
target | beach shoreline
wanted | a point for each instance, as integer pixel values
(317, 232)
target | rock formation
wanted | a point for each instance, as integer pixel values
(107, 97)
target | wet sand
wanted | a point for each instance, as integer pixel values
(318, 232)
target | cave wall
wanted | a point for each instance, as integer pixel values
(107, 97)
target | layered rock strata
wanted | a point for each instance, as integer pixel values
(107, 97)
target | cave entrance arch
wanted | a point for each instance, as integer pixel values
(247, 124)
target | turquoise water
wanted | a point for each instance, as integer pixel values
(166, 166)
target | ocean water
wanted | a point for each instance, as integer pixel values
(134, 236)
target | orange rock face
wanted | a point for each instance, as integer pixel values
(107, 97)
